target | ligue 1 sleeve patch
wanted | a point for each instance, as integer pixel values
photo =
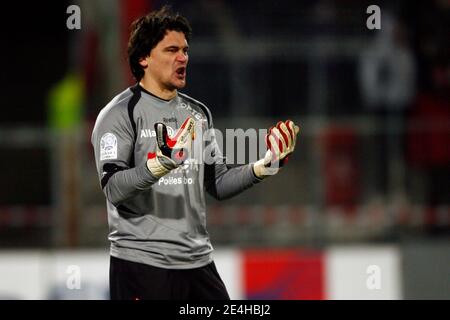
(108, 147)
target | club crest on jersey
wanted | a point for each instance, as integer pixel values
(149, 133)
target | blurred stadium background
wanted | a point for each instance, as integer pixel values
(366, 193)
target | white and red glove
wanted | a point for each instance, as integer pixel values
(170, 151)
(280, 142)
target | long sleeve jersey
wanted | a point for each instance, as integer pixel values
(160, 222)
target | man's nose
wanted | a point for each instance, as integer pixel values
(182, 57)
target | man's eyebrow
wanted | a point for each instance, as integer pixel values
(176, 47)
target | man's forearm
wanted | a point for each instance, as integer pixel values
(128, 183)
(232, 181)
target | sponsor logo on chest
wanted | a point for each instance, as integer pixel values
(149, 133)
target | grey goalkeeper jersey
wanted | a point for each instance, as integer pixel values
(160, 222)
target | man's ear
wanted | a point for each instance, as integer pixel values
(144, 61)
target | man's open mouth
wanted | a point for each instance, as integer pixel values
(181, 71)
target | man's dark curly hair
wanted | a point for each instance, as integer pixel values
(146, 32)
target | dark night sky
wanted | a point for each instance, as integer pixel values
(33, 57)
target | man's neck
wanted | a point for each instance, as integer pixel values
(152, 87)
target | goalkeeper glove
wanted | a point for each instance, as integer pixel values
(280, 141)
(170, 152)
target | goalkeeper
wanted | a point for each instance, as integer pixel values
(144, 143)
